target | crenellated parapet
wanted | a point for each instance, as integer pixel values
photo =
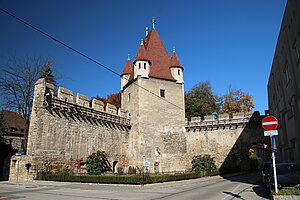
(222, 121)
(65, 101)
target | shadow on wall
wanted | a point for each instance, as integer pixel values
(238, 158)
(5, 155)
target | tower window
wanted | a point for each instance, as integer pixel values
(144, 65)
(128, 97)
(178, 72)
(139, 65)
(162, 93)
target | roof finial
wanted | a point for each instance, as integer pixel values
(142, 41)
(128, 58)
(147, 31)
(153, 23)
(174, 50)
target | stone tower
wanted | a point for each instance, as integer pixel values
(153, 93)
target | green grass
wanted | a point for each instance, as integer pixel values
(287, 192)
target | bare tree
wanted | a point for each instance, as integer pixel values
(17, 79)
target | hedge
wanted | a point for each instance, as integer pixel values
(121, 179)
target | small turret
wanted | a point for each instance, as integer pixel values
(141, 63)
(127, 73)
(176, 68)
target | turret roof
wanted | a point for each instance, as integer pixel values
(158, 56)
(153, 50)
(175, 61)
(128, 69)
(141, 55)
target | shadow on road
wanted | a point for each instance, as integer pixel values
(233, 195)
(253, 179)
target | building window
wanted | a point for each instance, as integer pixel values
(129, 97)
(179, 72)
(12, 129)
(162, 93)
(139, 65)
(144, 65)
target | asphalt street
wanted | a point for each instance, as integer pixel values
(238, 186)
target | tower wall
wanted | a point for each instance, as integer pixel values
(157, 125)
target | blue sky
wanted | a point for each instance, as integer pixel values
(229, 43)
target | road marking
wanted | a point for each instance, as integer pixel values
(229, 195)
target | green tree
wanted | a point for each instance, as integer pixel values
(97, 163)
(47, 73)
(201, 101)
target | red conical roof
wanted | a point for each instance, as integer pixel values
(128, 69)
(141, 55)
(158, 56)
(175, 61)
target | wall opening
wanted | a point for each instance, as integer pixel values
(114, 168)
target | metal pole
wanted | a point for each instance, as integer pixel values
(274, 168)
(18, 171)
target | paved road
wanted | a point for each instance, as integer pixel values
(244, 186)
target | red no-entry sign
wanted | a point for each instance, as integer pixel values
(269, 123)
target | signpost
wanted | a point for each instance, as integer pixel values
(270, 123)
(18, 156)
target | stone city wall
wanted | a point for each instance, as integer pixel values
(66, 129)
(226, 139)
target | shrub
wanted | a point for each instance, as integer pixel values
(97, 163)
(141, 170)
(64, 172)
(120, 170)
(203, 164)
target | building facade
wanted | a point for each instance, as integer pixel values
(284, 84)
(13, 140)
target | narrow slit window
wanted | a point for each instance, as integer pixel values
(129, 97)
(162, 93)
(144, 65)
(178, 72)
(139, 65)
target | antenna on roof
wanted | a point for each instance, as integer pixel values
(174, 50)
(153, 23)
(147, 31)
(128, 58)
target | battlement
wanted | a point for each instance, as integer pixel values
(65, 101)
(222, 121)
